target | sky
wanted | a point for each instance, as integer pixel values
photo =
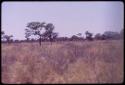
(68, 18)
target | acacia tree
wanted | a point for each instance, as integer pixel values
(42, 30)
(49, 34)
(35, 28)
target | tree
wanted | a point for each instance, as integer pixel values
(49, 34)
(80, 37)
(99, 36)
(27, 34)
(16, 41)
(74, 37)
(54, 36)
(62, 39)
(8, 38)
(35, 28)
(111, 35)
(89, 35)
(42, 30)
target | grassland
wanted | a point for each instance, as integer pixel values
(63, 62)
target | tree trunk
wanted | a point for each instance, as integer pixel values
(40, 41)
(50, 39)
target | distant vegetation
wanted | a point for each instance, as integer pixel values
(6, 38)
(45, 32)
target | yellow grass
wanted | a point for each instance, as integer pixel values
(65, 62)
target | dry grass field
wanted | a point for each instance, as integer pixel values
(63, 62)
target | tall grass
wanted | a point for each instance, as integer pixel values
(67, 62)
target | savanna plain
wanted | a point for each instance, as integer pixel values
(63, 62)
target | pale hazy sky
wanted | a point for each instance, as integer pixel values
(68, 17)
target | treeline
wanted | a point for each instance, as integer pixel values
(45, 32)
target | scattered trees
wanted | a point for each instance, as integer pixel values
(109, 35)
(45, 32)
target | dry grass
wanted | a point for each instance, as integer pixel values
(67, 62)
